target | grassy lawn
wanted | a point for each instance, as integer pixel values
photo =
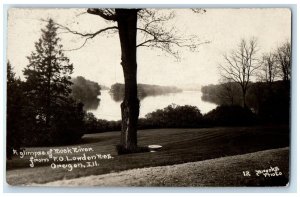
(224, 171)
(179, 146)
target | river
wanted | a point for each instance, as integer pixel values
(109, 109)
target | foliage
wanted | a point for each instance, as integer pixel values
(172, 116)
(15, 102)
(175, 116)
(117, 91)
(227, 93)
(225, 115)
(94, 125)
(274, 102)
(55, 118)
(86, 91)
(68, 126)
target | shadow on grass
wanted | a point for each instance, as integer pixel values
(121, 150)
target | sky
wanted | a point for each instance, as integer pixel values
(99, 60)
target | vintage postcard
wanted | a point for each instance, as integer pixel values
(148, 97)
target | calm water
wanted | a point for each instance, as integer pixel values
(110, 109)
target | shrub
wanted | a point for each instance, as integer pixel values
(94, 125)
(225, 115)
(173, 116)
(275, 106)
(66, 127)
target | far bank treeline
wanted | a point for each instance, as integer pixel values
(88, 92)
(117, 90)
(269, 102)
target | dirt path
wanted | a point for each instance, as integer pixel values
(226, 171)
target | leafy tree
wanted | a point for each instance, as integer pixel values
(48, 74)
(117, 91)
(48, 89)
(14, 134)
(86, 91)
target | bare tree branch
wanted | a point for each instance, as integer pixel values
(283, 58)
(80, 14)
(107, 14)
(269, 70)
(87, 36)
(151, 28)
(90, 35)
(198, 10)
(85, 41)
(241, 65)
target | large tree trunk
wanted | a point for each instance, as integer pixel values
(127, 24)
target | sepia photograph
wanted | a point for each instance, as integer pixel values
(148, 97)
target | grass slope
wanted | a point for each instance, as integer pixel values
(179, 146)
(225, 171)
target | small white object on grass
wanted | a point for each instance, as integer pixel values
(154, 148)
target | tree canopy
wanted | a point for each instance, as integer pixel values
(55, 116)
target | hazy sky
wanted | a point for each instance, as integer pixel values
(99, 60)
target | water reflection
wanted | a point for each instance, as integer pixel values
(110, 109)
(92, 104)
(117, 91)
